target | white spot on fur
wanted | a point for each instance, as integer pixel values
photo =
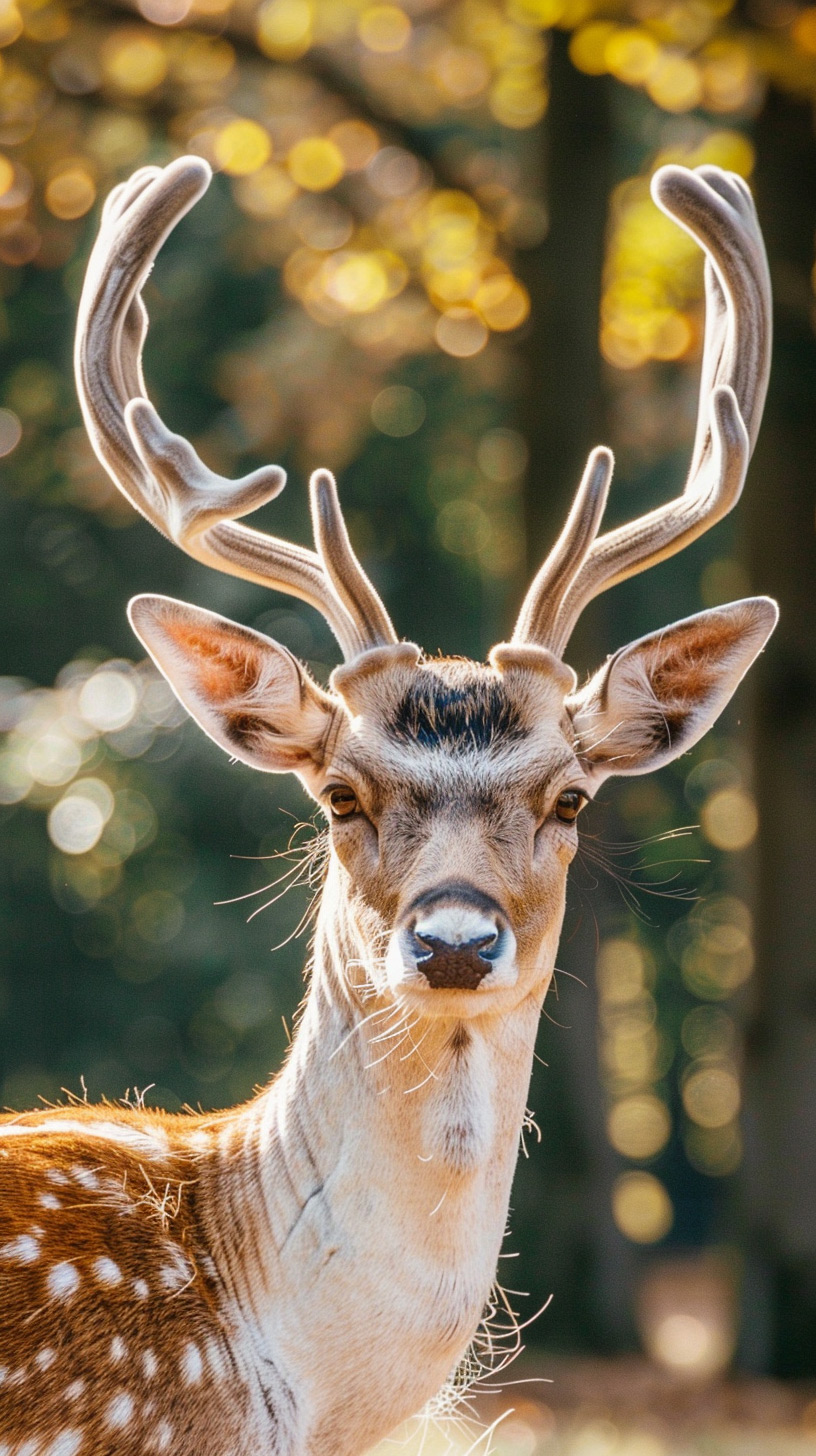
(192, 1367)
(18, 1377)
(29, 1448)
(63, 1280)
(164, 1435)
(118, 1349)
(141, 1289)
(74, 1390)
(86, 1177)
(67, 1443)
(44, 1359)
(56, 1175)
(49, 1200)
(120, 1411)
(3, 1373)
(22, 1250)
(178, 1272)
(150, 1364)
(107, 1272)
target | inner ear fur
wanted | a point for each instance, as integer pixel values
(248, 693)
(656, 698)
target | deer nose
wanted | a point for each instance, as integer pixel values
(453, 966)
(456, 945)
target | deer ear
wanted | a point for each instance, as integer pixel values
(249, 694)
(655, 698)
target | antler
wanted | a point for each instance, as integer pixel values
(717, 209)
(160, 472)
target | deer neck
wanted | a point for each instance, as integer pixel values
(355, 1210)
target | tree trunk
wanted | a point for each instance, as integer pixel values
(780, 1175)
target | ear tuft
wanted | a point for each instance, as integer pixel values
(656, 698)
(248, 693)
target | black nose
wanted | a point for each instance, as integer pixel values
(453, 967)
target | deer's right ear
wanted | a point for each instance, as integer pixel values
(249, 694)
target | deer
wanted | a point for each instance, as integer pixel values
(300, 1274)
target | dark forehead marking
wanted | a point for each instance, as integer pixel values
(456, 713)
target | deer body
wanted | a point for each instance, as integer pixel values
(297, 1275)
(248, 1282)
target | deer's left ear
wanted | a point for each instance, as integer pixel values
(655, 698)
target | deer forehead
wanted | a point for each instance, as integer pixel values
(451, 727)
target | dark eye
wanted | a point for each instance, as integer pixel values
(569, 805)
(343, 802)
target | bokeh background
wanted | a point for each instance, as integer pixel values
(429, 260)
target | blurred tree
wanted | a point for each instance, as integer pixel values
(399, 273)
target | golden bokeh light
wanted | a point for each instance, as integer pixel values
(689, 1343)
(588, 46)
(242, 147)
(711, 1094)
(622, 969)
(639, 1127)
(315, 163)
(165, 12)
(461, 333)
(357, 143)
(11, 23)
(70, 192)
(283, 28)
(135, 62)
(804, 30)
(360, 282)
(6, 175)
(675, 83)
(518, 99)
(384, 29)
(641, 1208)
(502, 302)
(631, 55)
(729, 819)
(266, 193)
(714, 949)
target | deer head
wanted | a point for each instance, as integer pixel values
(451, 788)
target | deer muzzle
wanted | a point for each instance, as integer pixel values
(453, 938)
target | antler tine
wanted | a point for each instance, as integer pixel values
(342, 567)
(539, 611)
(158, 471)
(717, 210)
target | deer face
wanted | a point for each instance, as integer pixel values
(452, 790)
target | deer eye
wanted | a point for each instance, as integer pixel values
(343, 802)
(569, 805)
